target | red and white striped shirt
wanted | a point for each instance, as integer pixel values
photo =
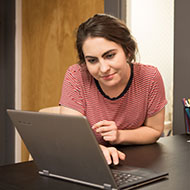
(143, 97)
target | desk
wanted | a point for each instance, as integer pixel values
(170, 154)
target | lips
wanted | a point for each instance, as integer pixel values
(108, 77)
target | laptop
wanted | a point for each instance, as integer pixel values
(64, 147)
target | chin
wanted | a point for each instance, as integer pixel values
(111, 84)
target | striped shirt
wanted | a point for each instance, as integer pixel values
(143, 97)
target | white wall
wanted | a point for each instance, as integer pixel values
(152, 24)
(18, 55)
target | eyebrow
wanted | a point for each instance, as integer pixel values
(88, 56)
(108, 52)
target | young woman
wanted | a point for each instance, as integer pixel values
(123, 100)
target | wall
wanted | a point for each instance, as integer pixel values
(7, 73)
(152, 24)
(18, 71)
(181, 62)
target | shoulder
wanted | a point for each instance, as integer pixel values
(145, 71)
(139, 67)
(78, 73)
(76, 68)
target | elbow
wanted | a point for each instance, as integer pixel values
(157, 135)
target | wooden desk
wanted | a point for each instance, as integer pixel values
(170, 154)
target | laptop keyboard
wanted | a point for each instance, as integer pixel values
(123, 178)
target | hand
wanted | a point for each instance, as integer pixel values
(111, 153)
(108, 131)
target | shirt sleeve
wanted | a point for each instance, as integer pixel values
(72, 94)
(156, 98)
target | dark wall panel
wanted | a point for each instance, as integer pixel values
(181, 62)
(115, 8)
(7, 78)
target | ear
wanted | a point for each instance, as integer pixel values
(128, 58)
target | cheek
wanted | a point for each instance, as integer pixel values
(122, 63)
(92, 69)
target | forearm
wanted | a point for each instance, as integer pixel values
(147, 134)
(142, 135)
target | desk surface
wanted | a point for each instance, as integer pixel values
(171, 154)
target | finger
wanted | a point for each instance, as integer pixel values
(109, 133)
(106, 153)
(103, 129)
(100, 124)
(121, 155)
(109, 138)
(107, 156)
(95, 126)
(115, 156)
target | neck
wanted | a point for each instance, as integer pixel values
(114, 92)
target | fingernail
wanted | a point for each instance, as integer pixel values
(116, 163)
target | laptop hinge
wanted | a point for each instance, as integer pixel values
(45, 172)
(107, 186)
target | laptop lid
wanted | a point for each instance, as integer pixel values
(64, 146)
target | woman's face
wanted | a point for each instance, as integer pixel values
(106, 62)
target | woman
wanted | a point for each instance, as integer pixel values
(123, 100)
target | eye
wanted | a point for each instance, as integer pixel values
(92, 60)
(110, 55)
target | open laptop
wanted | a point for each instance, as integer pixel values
(64, 147)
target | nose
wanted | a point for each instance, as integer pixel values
(104, 66)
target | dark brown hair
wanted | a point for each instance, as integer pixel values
(110, 28)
